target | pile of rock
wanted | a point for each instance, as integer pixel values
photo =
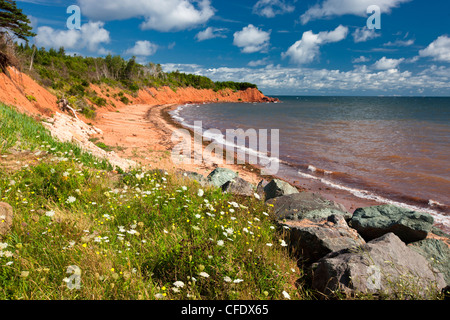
(382, 250)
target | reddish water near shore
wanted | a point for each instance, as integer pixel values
(392, 150)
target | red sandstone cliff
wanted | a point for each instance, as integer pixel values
(29, 97)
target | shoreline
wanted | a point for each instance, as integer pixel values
(143, 132)
(342, 195)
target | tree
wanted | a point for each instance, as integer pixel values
(13, 20)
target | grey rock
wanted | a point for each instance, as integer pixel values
(278, 188)
(437, 254)
(239, 186)
(260, 189)
(383, 266)
(306, 205)
(220, 176)
(310, 240)
(6, 218)
(201, 179)
(408, 225)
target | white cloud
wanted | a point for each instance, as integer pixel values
(277, 80)
(257, 63)
(331, 8)
(308, 48)
(439, 49)
(364, 34)
(210, 33)
(360, 59)
(167, 15)
(90, 36)
(399, 43)
(143, 49)
(386, 64)
(271, 8)
(252, 39)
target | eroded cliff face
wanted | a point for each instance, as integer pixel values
(166, 95)
(29, 97)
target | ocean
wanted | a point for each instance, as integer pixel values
(390, 149)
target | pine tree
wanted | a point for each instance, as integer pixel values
(13, 20)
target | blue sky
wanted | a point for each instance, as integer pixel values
(286, 47)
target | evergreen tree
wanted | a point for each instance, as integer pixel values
(13, 20)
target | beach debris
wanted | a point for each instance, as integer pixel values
(6, 218)
(382, 266)
(311, 241)
(64, 106)
(278, 188)
(408, 225)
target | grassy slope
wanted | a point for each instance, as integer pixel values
(132, 236)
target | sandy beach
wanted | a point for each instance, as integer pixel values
(143, 134)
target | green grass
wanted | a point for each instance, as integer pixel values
(140, 235)
(20, 132)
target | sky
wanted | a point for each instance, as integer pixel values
(286, 47)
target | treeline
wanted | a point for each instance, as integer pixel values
(72, 73)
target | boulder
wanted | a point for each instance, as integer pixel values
(408, 225)
(201, 179)
(278, 188)
(6, 218)
(310, 240)
(437, 254)
(260, 189)
(239, 186)
(383, 266)
(220, 176)
(306, 205)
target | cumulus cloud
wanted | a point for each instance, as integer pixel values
(308, 48)
(271, 8)
(331, 8)
(257, 63)
(364, 34)
(90, 37)
(252, 39)
(439, 49)
(386, 64)
(360, 59)
(210, 33)
(167, 15)
(278, 80)
(142, 49)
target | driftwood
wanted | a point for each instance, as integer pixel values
(63, 104)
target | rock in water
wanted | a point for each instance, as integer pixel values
(306, 205)
(278, 188)
(6, 218)
(383, 266)
(220, 176)
(437, 253)
(311, 241)
(408, 225)
(239, 186)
